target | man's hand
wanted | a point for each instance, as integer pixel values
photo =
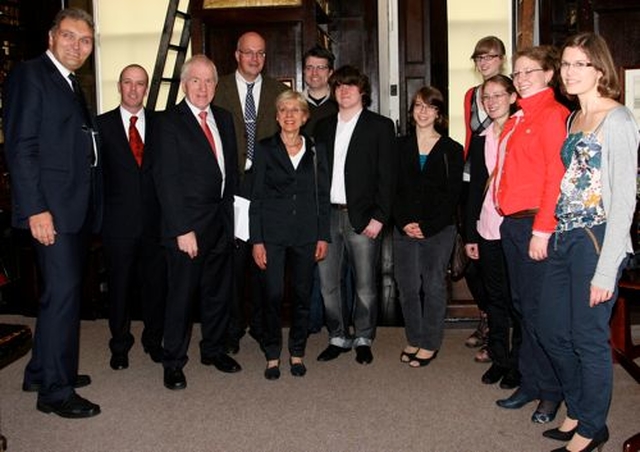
(260, 255)
(42, 229)
(471, 249)
(188, 243)
(413, 230)
(538, 248)
(373, 229)
(321, 250)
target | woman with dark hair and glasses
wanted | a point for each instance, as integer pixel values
(488, 57)
(430, 169)
(482, 224)
(527, 184)
(592, 239)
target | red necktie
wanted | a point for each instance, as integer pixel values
(207, 131)
(135, 141)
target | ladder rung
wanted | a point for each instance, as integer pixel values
(169, 79)
(182, 15)
(177, 48)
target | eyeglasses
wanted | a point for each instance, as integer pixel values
(319, 68)
(490, 97)
(423, 106)
(251, 54)
(525, 73)
(578, 65)
(481, 58)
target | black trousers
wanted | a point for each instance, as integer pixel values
(300, 260)
(136, 268)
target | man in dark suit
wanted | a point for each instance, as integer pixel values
(53, 160)
(194, 147)
(360, 146)
(131, 227)
(250, 96)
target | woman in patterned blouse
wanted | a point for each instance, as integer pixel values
(592, 239)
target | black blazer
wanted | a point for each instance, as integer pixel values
(49, 149)
(188, 178)
(289, 206)
(369, 168)
(477, 187)
(428, 196)
(131, 205)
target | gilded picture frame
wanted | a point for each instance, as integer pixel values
(222, 4)
(630, 92)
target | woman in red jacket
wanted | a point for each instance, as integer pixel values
(527, 184)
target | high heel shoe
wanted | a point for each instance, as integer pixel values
(406, 357)
(597, 443)
(421, 362)
(559, 435)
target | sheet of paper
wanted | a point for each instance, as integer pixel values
(241, 216)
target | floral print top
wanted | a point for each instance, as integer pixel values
(580, 201)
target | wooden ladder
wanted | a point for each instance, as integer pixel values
(165, 47)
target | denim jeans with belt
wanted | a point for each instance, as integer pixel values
(575, 335)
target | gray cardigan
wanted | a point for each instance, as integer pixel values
(620, 140)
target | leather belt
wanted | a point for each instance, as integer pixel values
(528, 213)
(339, 206)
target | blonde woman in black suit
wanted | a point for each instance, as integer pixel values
(289, 222)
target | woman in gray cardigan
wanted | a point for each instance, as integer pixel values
(592, 240)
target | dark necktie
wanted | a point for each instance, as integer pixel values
(250, 120)
(207, 132)
(135, 140)
(81, 100)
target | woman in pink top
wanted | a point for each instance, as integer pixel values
(482, 227)
(488, 58)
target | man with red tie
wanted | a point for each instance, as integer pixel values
(136, 268)
(195, 171)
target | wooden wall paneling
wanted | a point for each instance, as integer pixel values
(617, 21)
(423, 50)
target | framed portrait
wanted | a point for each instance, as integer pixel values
(220, 4)
(630, 80)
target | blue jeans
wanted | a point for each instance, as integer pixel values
(526, 278)
(420, 267)
(362, 254)
(576, 336)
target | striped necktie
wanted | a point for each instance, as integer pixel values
(250, 120)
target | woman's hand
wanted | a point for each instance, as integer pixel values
(472, 251)
(188, 243)
(599, 295)
(260, 255)
(413, 230)
(321, 250)
(538, 248)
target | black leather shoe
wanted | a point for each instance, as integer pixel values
(174, 378)
(517, 400)
(494, 374)
(511, 380)
(559, 435)
(224, 363)
(75, 407)
(155, 353)
(363, 354)
(545, 412)
(81, 382)
(272, 373)
(332, 352)
(298, 369)
(596, 443)
(119, 362)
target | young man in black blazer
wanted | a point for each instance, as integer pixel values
(131, 227)
(360, 147)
